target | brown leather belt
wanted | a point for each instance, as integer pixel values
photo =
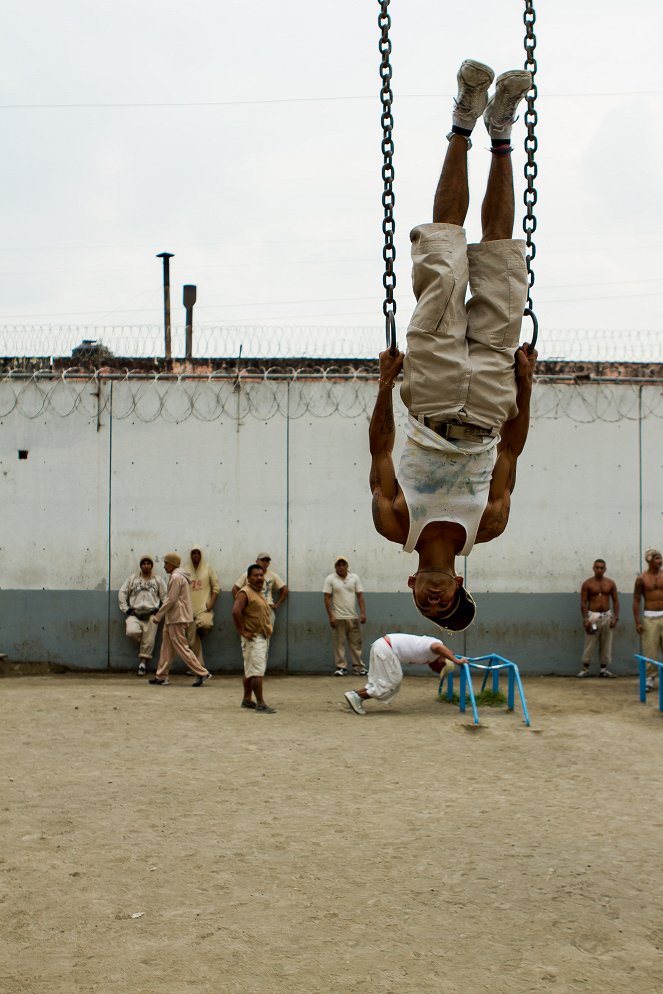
(460, 430)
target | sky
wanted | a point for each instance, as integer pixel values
(245, 139)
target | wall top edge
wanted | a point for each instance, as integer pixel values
(292, 368)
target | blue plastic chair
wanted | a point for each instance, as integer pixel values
(642, 667)
(491, 666)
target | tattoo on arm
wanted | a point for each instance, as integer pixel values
(388, 425)
(377, 518)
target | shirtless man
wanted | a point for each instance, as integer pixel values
(598, 618)
(649, 587)
(468, 406)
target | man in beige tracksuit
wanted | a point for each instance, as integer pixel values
(177, 615)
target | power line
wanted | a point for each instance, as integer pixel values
(131, 105)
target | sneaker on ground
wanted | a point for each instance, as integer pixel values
(248, 704)
(354, 700)
(265, 709)
(649, 683)
(360, 672)
(340, 672)
(200, 680)
(162, 683)
(500, 113)
(141, 669)
(582, 673)
(474, 78)
(605, 672)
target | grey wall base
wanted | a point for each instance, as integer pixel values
(85, 630)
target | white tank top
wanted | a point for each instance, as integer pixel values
(444, 481)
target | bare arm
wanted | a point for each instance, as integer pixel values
(330, 610)
(615, 605)
(362, 607)
(283, 593)
(584, 605)
(381, 438)
(238, 615)
(444, 653)
(511, 444)
(638, 593)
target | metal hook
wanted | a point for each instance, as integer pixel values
(391, 333)
(529, 313)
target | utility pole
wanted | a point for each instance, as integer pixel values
(166, 256)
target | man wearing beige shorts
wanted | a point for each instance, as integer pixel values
(466, 384)
(252, 616)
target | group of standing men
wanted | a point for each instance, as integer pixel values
(186, 606)
(599, 605)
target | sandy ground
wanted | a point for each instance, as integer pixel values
(162, 840)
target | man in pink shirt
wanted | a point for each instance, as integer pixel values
(177, 614)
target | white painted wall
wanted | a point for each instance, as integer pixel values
(176, 466)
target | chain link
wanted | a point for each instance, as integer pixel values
(388, 197)
(531, 168)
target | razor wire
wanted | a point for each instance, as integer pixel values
(294, 343)
(289, 395)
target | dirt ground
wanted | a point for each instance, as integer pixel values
(160, 839)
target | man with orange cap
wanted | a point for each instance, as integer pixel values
(177, 615)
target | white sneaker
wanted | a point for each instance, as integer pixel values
(141, 669)
(605, 672)
(649, 683)
(500, 113)
(583, 672)
(474, 78)
(354, 700)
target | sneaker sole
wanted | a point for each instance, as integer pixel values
(358, 709)
(480, 67)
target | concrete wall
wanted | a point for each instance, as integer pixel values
(115, 469)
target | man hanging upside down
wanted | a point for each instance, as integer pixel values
(467, 399)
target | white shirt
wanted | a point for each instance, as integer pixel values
(442, 481)
(272, 582)
(343, 594)
(414, 648)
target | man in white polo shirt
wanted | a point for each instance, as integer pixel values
(343, 591)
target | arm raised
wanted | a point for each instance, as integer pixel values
(512, 442)
(381, 438)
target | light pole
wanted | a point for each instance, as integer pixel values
(166, 256)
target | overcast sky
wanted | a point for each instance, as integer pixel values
(245, 138)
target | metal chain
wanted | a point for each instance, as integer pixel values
(531, 168)
(388, 197)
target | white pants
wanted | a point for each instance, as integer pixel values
(143, 631)
(385, 673)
